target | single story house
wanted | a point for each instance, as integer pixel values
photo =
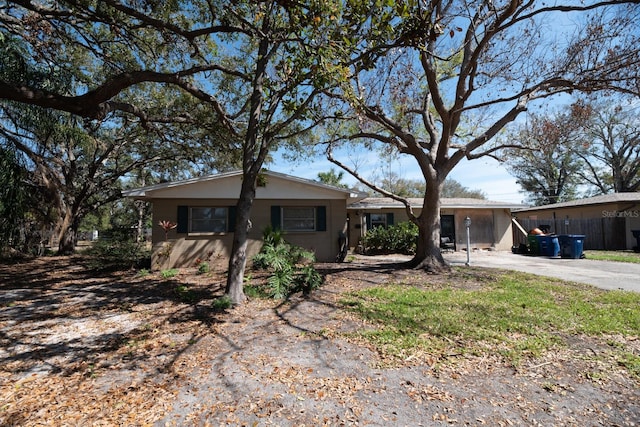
(606, 221)
(310, 213)
(490, 221)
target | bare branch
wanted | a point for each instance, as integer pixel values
(371, 185)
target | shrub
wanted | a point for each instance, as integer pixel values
(222, 303)
(291, 267)
(400, 238)
(183, 292)
(167, 274)
(203, 268)
(118, 254)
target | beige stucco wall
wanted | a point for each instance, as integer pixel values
(503, 229)
(185, 249)
(490, 228)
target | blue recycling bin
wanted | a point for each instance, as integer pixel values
(549, 246)
(571, 245)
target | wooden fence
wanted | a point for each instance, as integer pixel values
(600, 233)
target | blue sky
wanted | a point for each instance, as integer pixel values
(485, 174)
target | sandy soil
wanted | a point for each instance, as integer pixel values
(80, 348)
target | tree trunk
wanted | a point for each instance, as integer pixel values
(238, 257)
(68, 234)
(140, 225)
(428, 255)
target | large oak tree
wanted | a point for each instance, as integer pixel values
(257, 67)
(611, 145)
(81, 164)
(458, 72)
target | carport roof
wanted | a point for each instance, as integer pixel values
(597, 200)
(447, 203)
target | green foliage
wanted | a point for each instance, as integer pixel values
(203, 268)
(272, 237)
(518, 315)
(13, 194)
(549, 169)
(118, 253)
(399, 238)
(618, 256)
(332, 178)
(453, 188)
(291, 267)
(631, 363)
(167, 274)
(253, 291)
(222, 303)
(183, 291)
(308, 278)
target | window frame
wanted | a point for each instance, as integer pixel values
(313, 217)
(378, 223)
(225, 220)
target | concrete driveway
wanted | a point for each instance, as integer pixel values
(603, 274)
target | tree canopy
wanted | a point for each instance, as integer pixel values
(436, 81)
(454, 74)
(587, 148)
(611, 147)
(548, 170)
(81, 164)
(332, 177)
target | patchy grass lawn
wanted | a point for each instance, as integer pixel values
(620, 256)
(516, 315)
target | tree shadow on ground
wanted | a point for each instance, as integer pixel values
(58, 316)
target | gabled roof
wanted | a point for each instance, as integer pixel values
(227, 185)
(447, 203)
(597, 200)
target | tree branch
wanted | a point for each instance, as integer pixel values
(371, 185)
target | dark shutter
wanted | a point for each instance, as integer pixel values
(321, 218)
(183, 219)
(389, 219)
(276, 222)
(367, 218)
(231, 214)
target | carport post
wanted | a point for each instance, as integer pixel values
(467, 223)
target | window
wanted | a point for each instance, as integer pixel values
(299, 218)
(378, 220)
(208, 220)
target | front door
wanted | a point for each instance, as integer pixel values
(448, 227)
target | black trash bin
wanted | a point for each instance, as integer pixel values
(571, 245)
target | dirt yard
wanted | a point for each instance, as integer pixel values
(80, 348)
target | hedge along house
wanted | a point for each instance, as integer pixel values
(490, 221)
(310, 214)
(606, 221)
